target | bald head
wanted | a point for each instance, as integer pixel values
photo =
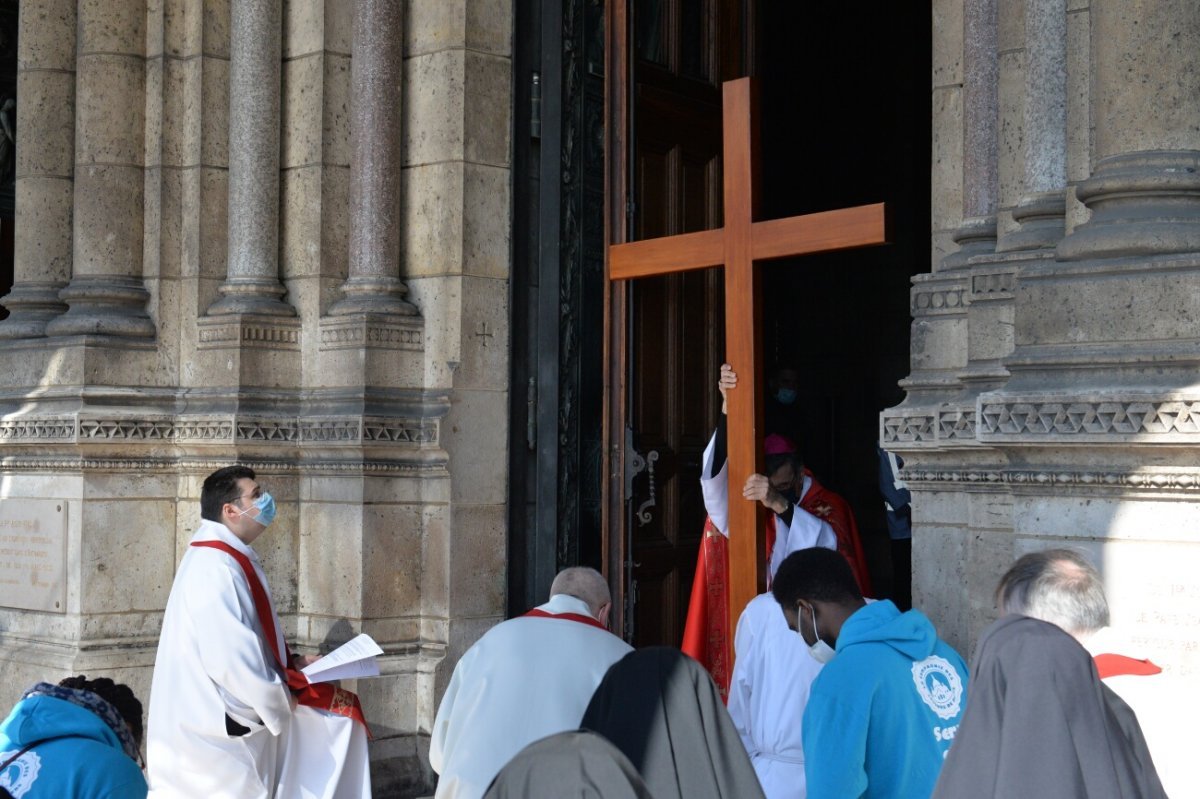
(1056, 585)
(585, 584)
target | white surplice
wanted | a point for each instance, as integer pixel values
(772, 674)
(526, 678)
(1167, 706)
(804, 532)
(213, 660)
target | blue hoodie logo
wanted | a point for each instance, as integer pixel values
(20, 775)
(939, 686)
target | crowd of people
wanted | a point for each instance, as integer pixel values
(822, 692)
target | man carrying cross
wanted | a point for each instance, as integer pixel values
(740, 246)
(803, 514)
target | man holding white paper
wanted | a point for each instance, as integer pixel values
(526, 678)
(229, 714)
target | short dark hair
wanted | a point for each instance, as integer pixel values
(815, 574)
(1059, 586)
(220, 488)
(119, 695)
(774, 462)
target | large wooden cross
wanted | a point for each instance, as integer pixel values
(739, 246)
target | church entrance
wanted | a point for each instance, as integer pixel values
(845, 121)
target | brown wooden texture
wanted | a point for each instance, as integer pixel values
(616, 166)
(742, 242)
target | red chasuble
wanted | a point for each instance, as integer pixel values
(829, 507)
(322, 695)
(706, 634)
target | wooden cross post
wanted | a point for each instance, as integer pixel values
(739, 246)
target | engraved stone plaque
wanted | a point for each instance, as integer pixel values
(33, 541)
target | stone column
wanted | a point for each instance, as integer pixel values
(106, 295)
(44, 168)
(977, 234)
(1144, 190)
(1041, 209)
(252, 276)
(375, 119)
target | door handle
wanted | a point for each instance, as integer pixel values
(643, 511)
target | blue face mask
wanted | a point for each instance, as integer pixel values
(786, 396)
(266, 509)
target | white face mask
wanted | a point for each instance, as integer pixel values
(821, 651)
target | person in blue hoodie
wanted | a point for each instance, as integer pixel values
(885, 708)
(79, 739)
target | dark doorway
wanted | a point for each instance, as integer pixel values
(845, 121)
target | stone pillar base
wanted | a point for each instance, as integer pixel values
(975, 236)
(105, 306)
(31, 307)
(1042, 220)
(1142, 204)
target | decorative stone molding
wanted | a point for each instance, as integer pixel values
(1173, 481)
(992, 285)
(957, 424)
(218, 431)
(929, 426)
(126, 430)
(400, 431)
(933, 300)
(915, 427)
(1105, 418)
(364, 331)
(13, 463)
(237, 332)
(37, 430)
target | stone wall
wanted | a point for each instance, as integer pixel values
(1053, 395)
(273, 232)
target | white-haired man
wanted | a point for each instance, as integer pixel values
(1062, 587)
(526, 678)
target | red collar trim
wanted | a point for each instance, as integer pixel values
(1108, 665)
(538, 613)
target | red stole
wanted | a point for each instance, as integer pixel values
(831, 508)
(1108, 665)
(322, 695)
(538, 613)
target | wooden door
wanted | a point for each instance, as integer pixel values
(681, 51)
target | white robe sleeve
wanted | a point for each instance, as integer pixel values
(441, 738)
(232, 652)
(715, 488)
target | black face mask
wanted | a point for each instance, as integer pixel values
(791, 496)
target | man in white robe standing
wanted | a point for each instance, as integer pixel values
(526, 678)
(223, 721)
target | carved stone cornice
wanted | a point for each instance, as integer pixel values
(226, 430)
(371, 331)
(1176, 481)
(1101, 418)
(939, 294)
(1086, 420)
(249, 331)
(67, 463)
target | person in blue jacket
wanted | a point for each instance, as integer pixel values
(883, 712)
(79, 739)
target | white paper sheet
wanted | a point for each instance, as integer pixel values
(351, 660)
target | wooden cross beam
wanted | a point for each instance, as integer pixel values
(738, 247)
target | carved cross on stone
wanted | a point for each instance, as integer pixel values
(739, 246)
(484, 333)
